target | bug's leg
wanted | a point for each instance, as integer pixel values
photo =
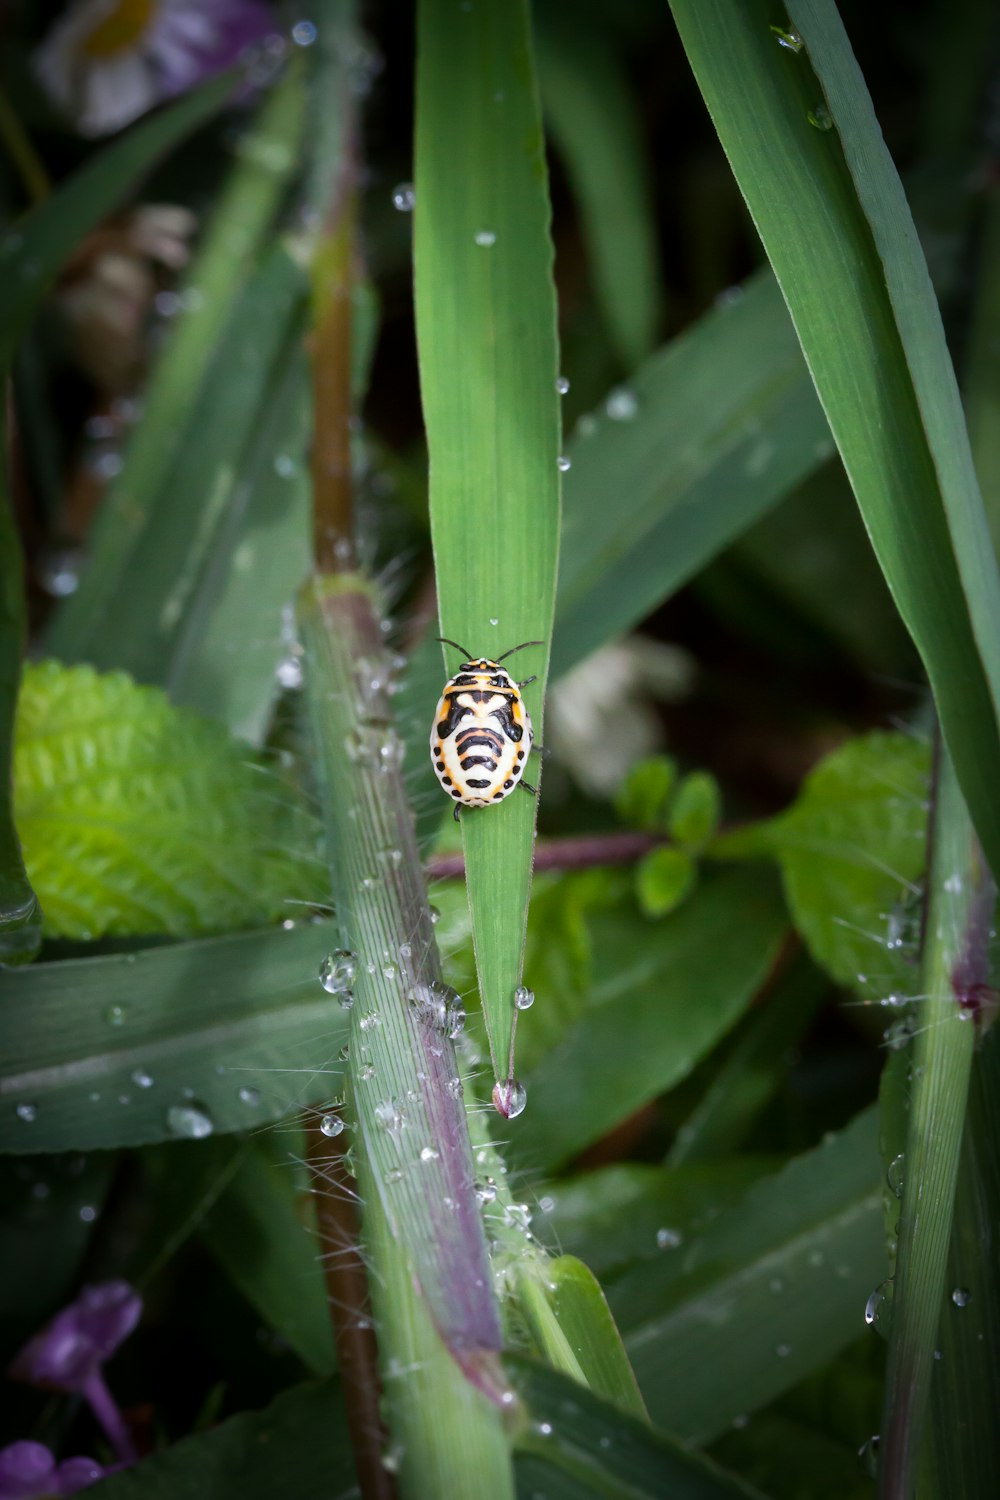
(526, 786)
(457, 806)
(527, 681)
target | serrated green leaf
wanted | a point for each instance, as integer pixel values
(663, 879)
(486, 337)
(643, 799)
(137, 817)
(851, 850)
(694, 815)
(173, 1042)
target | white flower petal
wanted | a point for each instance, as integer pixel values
(117, 90)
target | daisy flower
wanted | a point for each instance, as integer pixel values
(105, 62)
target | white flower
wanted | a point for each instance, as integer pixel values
(107, 61)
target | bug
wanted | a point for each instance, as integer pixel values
(481, 736)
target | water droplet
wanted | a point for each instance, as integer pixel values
(668, 1239)
(115, 1015)
(289, 673)
(820, 117)
(337, 971)
(304, 33)
(189, 1121)
(563, 463)
(403, 197)
(88, 1213)
(783, 1351)
(26, 1112)
(509, 1097)
(284, 465)
(370, 1020)
(524, 998)
(486, 1191)
(454, 1087)
(494, 621)
(434, 915)
(389, 1115)
(789, 39)
(894, 1175)
(953, 885)
(58, 571)
(454, 1021)
(622, 405)
(740, 1421)
(544, 1429)
(141, 1078)
(427, 1153)
(562, 385)
(249, 1096)
(898, 1035)
(331, 1125)
(961, 1296)
(776, 1285)
(868, 1456)
(485, 238)
(879, 1304)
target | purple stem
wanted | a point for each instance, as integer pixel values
(108, 1413)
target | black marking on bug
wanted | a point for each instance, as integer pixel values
(470, 782)
(478, 760)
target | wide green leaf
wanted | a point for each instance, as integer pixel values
(771, 1289)
(661, 996)
(577, 1445)
(486, 333)
(679, 462)
(851, 851)
(169, 1043)
(137, 817)
(299, 1446)
(801, 136)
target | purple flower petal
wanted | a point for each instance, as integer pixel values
(75, 1474)
(26, 1470)
(74, 1345)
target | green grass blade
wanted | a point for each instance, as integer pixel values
(488, 366)
(809, 159)
(591, 111)
(578, 1445)
(185, 522)
(764, 1294)
(232, 239)
(120, 1051)
(680, 462)
(962, 900)
(32, 254)
(20, 916)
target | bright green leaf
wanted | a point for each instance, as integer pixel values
(695, 811)
(137, 817)
(663, 879)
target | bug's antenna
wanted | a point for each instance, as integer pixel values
(518, 648)
(446, 642)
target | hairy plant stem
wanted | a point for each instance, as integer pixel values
(431, 1281)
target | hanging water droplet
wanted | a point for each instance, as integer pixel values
(141, 1078)
(337, 971)
(289, 673)
(509, 1097)
(524, 998)
(189, 1121)
(331, 1125)
(961, 1296)
(820, 117)
(454, 1021)
(485, 238)
(404, 198)
(26, 1112)
(879, 1304)
(622, 404)
(115, 1015)
(248, 1096)
(562, 385)
(563, 463)
(894, 1175)
(868, 1456)
(668, 1239)
(789, 39)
